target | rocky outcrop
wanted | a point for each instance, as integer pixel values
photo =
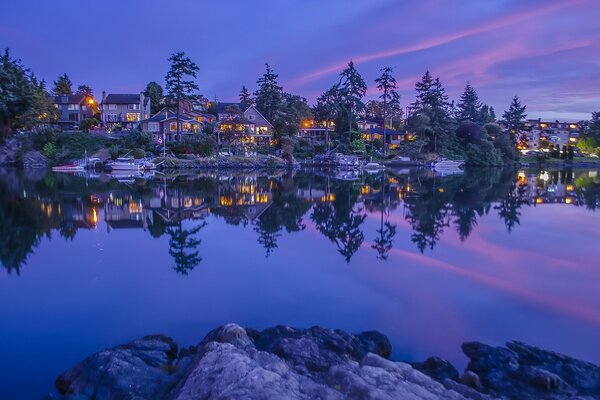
(286, 363)
(34, 159)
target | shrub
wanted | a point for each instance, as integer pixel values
(139, 153)
(483, 154)
(469, 132)
(114, 151)
(49, 150)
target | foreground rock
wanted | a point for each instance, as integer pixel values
(285, 363)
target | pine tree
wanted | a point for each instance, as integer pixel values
(85, 90)
(326, 109)
(179, 83)
(352, 89)
(245, 98)
(388, 87)
(430, 113)
(593, 129)
(268, 97)
(469, 106)
(514, 116)
(62, 86)
(16, 94)
(155, 93)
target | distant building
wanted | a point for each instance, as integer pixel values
(556, 133)
(124, 110)
(392, 136)
(72, 109)
(365, 124)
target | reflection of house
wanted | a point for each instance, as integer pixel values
(315, 132)
(250, 126)
(244, 198)
(122, 212)
(165, 123)
(73, 109)
(126, 110)
(173, 206)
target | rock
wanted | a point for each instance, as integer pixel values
(142, 369)
(34, 159)
(437, 368)
(236, 363)
(520, 371)
(317, 363)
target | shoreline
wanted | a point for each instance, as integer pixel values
(284, 362)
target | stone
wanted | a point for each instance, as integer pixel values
(437, 368)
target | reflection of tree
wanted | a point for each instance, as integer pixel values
(286, 211)
(183, 247)
(340, 222)
(386, 231)
(509, 206)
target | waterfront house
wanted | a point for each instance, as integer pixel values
(123, 111)
(247, 125)
(365, 124)
(315, 132)
(164, 124)
(392, 136)
(72, 109)
(536, 131)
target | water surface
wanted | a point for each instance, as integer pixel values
(491, 255)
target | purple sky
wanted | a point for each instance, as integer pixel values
(546, 51)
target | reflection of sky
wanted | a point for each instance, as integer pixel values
(543, 50)
(537, 284)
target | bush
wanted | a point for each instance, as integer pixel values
(49, 150)
(138, 139)
(504, 144)
(88, 123)
(202, 145)
(483, 154)
(358, 145)
(469, 132)
(41, 137)
(114, 151)
(139, 153)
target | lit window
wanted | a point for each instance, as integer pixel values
(133, 117)
(173, 126)
(186, 126)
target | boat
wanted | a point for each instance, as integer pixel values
(373, 166)
(445, 166)
(68, 168)
(125, 164)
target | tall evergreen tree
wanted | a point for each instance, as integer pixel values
(593, 129)
(269, 94)
(326, 109)
(352, 89)
(514, 116)
(155, 93)
(17, 96)
(85, 90)
(389, 96)
(62, 86)
(245, 97)
(469, 106)
(430, 113)
(179, 83)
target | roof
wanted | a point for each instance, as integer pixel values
(165, 115)
(121, 99)
(387, 131)
(70, 99)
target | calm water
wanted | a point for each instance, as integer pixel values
(488, 255)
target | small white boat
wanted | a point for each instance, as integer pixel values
(68, 168)
(125, 164)
(373, 166)
(444, 163)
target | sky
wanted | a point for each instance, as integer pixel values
(545, 51)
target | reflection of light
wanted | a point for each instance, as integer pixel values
(569, 200)
(365, 189)
(570, 188)
(94, 216)
(441, 190)
(544, 176)
(226, 201)
(522, 177)
(539, 200)
(330, 197)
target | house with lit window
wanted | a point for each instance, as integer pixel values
(163, 124)
(364, 124)
(248, 125)
(72, 109)
(392, 136)
(201, 116)
(315, 132)
(124, 111)
(556, 133)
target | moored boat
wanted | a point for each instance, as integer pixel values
(68, 168)
(125, 164)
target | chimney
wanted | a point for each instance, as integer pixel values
(142, 109)
(103, 96)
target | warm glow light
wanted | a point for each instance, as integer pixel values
(539, 200)
(570, 188)
(569, 200)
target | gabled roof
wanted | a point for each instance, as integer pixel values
(121, 99)
(165, 115)
(258, 112)
(70, 99)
